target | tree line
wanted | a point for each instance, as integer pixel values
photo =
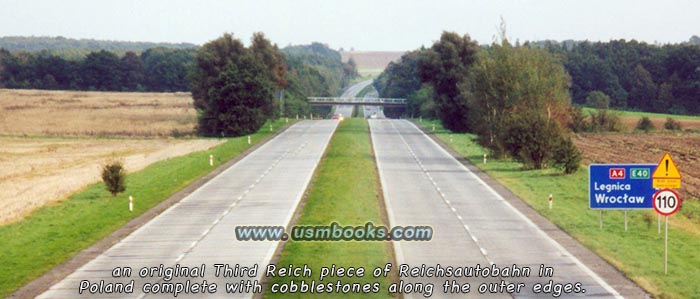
(156, 69)
(634, 75)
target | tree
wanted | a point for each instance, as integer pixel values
(114, 177)
(101, 71)
(644, 91)
(598, 100)
(233, 87)
(167, 69)
(509, 81)
(132, 71)
(446, 67)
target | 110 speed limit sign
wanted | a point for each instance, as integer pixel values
(666, 202)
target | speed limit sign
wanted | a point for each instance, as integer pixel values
(666, 202)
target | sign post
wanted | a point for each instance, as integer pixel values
(666, 203)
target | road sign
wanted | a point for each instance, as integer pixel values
(620, 186)
(666, 202)
(666, 174)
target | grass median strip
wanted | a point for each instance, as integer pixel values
(56, 232)
(345, 190)
(638, 252)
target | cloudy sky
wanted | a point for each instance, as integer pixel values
(362, 24)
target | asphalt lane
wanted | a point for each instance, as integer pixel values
(424, 185)
(264, 188)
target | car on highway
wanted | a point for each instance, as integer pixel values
(338, 116)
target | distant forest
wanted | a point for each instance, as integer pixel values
(78, 48)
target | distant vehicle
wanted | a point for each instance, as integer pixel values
(374, 115)
(338, 116)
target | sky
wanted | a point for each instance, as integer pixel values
(360, 24)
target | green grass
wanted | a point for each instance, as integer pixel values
(369, 73)
(344, 191)
(56, 232)
(637, 252)
(639, 114)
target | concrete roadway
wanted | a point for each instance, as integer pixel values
(424, 185)
(352, 91)
(368, 111)
(263, 188)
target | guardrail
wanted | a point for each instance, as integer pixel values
(356, 101)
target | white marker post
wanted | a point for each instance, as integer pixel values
(421, 119)
(551, 200)
(484, 158)
(433, 127)
(211, 160)
(270, 128)
(286, 119)
(297, 116)
(131, 204)
(248, 139)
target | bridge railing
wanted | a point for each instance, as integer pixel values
(352, 100)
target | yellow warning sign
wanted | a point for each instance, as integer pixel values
(666, 174)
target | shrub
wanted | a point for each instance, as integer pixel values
(578, 120)
(566, 156)
(605, 121)
(532, 147)
(114, 177)
(672, 124)
(645, 124)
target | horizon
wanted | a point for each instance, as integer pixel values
(363, 25)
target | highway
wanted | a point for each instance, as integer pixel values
(368, 111)
(352, 91)
(264, 188)
(425, 185)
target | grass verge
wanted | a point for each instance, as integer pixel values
(345, 190)
(639, 114)
(638, 252)
(55, 233)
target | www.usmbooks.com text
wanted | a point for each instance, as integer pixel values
(335, 232)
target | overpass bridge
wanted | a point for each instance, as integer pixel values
(386, 102)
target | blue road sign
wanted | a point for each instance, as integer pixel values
(620, 186)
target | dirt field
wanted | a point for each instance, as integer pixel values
(647, 148)
(76, 113)
(37, 171)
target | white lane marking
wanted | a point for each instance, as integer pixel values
(442, 196)
(556, 244)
